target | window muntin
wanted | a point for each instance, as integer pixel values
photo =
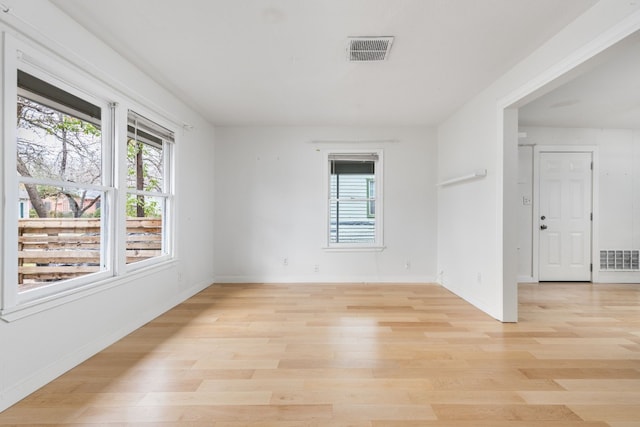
(149, 148)
(352, 220)
(61, 186)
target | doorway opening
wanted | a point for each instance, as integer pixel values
(586, 111)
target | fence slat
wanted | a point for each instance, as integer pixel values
(52, 249)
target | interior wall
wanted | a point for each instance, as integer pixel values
(271, 205)
(39, 347)
(474, 216)
(618, 193)
(525, 213)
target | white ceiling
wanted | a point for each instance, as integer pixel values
(283, 62)
(605, 95)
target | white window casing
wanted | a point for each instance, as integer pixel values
(354, 203)
(42, 78)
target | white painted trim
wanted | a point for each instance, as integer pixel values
(527, 279)
(9, 189)
(618, 277)
(43, 64)
(318, 278)
(355, 248)
(356, 141)
(595, 182)
(535, 215)
(378, 245)
(18, 55)
(66, 184)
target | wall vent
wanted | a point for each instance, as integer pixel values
(365, 49)
(620, 260)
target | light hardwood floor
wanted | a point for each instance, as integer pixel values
(362, 355)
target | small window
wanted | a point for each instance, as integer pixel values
(148, 188)
(354, 206)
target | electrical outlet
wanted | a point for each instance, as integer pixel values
(316, 268)
(407, 265)
(526, 201)
(285, 261)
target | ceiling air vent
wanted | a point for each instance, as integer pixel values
(369, 48)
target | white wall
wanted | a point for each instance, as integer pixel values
(477, 255)
(618, 192)
(525, 213)
(37, 348)
(270, 205)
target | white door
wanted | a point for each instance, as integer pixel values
(565, 216)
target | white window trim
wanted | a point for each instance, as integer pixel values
(19, 54)
(168, 193)
(376, 246)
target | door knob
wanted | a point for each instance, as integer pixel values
(543, 217)
(543, 227)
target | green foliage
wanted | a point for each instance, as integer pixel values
(46, 191)
(151, 206)
(73, 125)
(150, 180)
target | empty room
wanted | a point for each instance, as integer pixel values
(320, 213)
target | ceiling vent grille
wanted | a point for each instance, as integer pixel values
(366, 49)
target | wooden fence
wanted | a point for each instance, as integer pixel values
(52, 249)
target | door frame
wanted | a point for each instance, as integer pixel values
(537, 149)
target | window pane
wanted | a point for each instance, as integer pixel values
(350, 222)
(65, 244)
(352, 202)
(351, 186)
(371, 194)
(145, 164)
(53, 144)
(145, 217)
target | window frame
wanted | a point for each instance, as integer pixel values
(60, 78)
(378, 243)
(114, 104)
(168, 183)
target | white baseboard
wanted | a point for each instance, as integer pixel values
(526, 279)
(325, 279)
(618, 277)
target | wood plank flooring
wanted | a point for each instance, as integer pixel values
(363, 355)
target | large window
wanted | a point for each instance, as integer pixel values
(354, 208)
(80, 211)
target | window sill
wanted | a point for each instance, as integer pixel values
(30, 308)
(354, 248)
